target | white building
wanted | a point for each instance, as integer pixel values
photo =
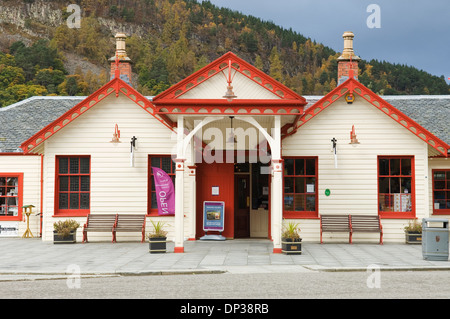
(294, 158)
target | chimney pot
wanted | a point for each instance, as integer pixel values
(348, 61)
(124, 63)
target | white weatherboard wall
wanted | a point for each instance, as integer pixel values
(116, 187)
(30, 166)
(353, 184)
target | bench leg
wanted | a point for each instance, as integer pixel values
(381, 238)
(350, 238)
(85, 240)
(113, 236)
(321, 240)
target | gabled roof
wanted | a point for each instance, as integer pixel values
(115, 86)
(351, 87)
(282, 99)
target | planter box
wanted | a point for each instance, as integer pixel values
(413, 238)
(72, 238)
(157, 245)
(291, 246)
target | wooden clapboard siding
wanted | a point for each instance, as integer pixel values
(30, 166)
(353, 184)
(116, 187)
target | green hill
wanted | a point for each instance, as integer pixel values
(169, 40)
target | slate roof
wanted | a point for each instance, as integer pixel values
(21, 120)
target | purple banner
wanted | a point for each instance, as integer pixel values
(165, 193)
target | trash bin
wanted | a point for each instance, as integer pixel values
(435, 239)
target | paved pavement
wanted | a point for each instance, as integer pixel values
(20, 258)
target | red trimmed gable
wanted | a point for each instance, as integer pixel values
(115, 86)
(172, 99)
(351, 87)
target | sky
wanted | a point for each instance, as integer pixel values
(411, 32)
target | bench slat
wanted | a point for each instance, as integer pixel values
(367, 224)
(99, 223)
(334, 223)
(130, 223)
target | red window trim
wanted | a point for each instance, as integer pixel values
(398, 215)
(70, 212)
(304, 214)
(19, 195)
(154, 211)
(444, 211)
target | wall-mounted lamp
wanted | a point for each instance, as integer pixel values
(229, 94)
(334, 145)
(116, 135)
(133, 145)
(353, 139)
(232, 137)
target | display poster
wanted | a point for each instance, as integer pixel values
(213, 216)
(165, 193)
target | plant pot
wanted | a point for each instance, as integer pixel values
(413, 238)
(72, 238)
(291, 246)
(157, 245)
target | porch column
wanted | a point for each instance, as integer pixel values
(193, 208)
(179, 188)
(277, 186)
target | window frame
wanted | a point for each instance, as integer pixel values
(19, 196)
(439, 211)
(154, 211)
(302, 214)
(399, 214)
(70, 211)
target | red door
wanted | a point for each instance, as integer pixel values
(221, 177)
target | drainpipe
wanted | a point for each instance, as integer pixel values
(42, 194)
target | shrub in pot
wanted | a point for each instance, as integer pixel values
(291, 242)
(157, 238)
(65, 232)
(413, 233)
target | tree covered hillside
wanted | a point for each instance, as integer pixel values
(169, 40)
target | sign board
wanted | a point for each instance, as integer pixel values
(9, 229)
(213, 216)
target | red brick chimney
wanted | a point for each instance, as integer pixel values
(348, 61)
(124, 62)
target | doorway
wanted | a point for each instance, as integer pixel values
(241, 206)
(244, 188)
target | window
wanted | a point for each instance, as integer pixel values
(11, 194)
(165, 163)
(300, 187)
(441, 191)
(396, 186)
(73, 183)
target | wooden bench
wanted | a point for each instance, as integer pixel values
(99, 223)
(366, 224)
(129, 223)
(335, 223)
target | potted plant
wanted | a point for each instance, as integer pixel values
(413, 232)
(65, 232)
(291, 243)
(157, 238)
